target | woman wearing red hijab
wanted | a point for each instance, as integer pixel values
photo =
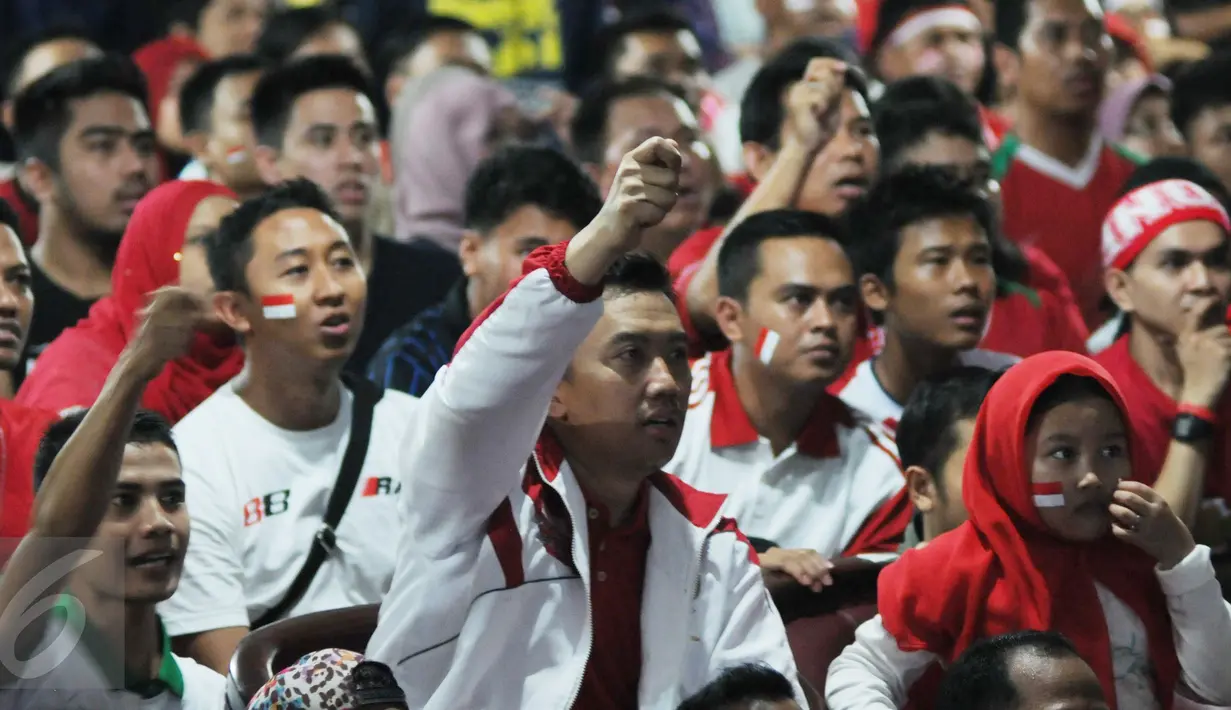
(1058, 538)
(161, 246)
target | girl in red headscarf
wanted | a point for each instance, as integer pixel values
(1058, 538)
(160, 247)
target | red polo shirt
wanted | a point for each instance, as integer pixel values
(21, 430)
(617, 576)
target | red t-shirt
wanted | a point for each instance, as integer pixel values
(21, 430)
(1151, 413)
(617, 576)
(1025, 321)
(995, 127)
(27, 218)
(1060, 209)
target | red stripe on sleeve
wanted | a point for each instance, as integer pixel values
(506, 540)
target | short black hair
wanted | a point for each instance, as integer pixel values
(287, 30)
(16, 54)
(42, 113)
(740, 685)
(638, 272)
(926, 435)
(197, 96)
(653, 19)
(739, 257)
(229, 248)
(1199, 87)
(762, 109)
(1009, 22)
(979, 680)
(186, 12)
(403, 40)
(8, 217)
(148, 428)
(910, 195)
(589, 126)
(278, 89)
(911, 110)
(529, 175)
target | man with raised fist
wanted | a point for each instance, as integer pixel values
(546, 559)
(107, 544)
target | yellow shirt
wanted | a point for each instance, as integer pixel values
(527, 31)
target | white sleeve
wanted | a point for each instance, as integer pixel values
(1201, 625)
(479, 421)
(753, 632)
(211, 589)
(873, 672)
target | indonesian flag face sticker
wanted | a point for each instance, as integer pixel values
(279, 307)
(767, 343)
(237, 155)
(1048, 495)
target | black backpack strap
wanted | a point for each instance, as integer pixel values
(366, 395)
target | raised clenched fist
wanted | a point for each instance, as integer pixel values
(168, 325)
(644, 190)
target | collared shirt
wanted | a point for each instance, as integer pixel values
(825, 492)
(617, 577)
(409, 359)
(865, 394)
(89, 674)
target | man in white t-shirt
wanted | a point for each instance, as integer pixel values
(800, 470)
(925, 255)
(265, 451)
(108, 539)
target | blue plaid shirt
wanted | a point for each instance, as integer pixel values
(411, 356)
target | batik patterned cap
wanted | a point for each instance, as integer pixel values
(319, 681)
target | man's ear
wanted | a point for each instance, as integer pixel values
(468, 252)
(6, 113)
(757, 159)
(922, 488)
(727, 312)
(233, 309)
(266, 160)
(38, 179)
(874, 292)
(1115, 281)
(1008, 67)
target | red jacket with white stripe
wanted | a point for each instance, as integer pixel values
(489, 606)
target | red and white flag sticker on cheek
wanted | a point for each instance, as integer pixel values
(1048, 495)
(237, 155)
(279, 307)
(767, 343)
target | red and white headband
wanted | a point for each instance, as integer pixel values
(1146, 212)
(917, 23)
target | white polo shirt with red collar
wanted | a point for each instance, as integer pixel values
(864, 394)
(834, 490)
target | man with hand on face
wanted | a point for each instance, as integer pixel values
(809, 144)
(1168, 269)
(21, 427)
(800, 471)
(88, 156)
(267, 454)
(556, 531)
(924, 257)
(315, 118)
(111, 495)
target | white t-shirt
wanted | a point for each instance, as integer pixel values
(864, 393)
(257, 493)
(73, 678)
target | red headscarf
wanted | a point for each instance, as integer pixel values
(71, 371)
(158, 61)
(1002, 571)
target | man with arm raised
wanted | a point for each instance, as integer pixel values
(547, 560)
